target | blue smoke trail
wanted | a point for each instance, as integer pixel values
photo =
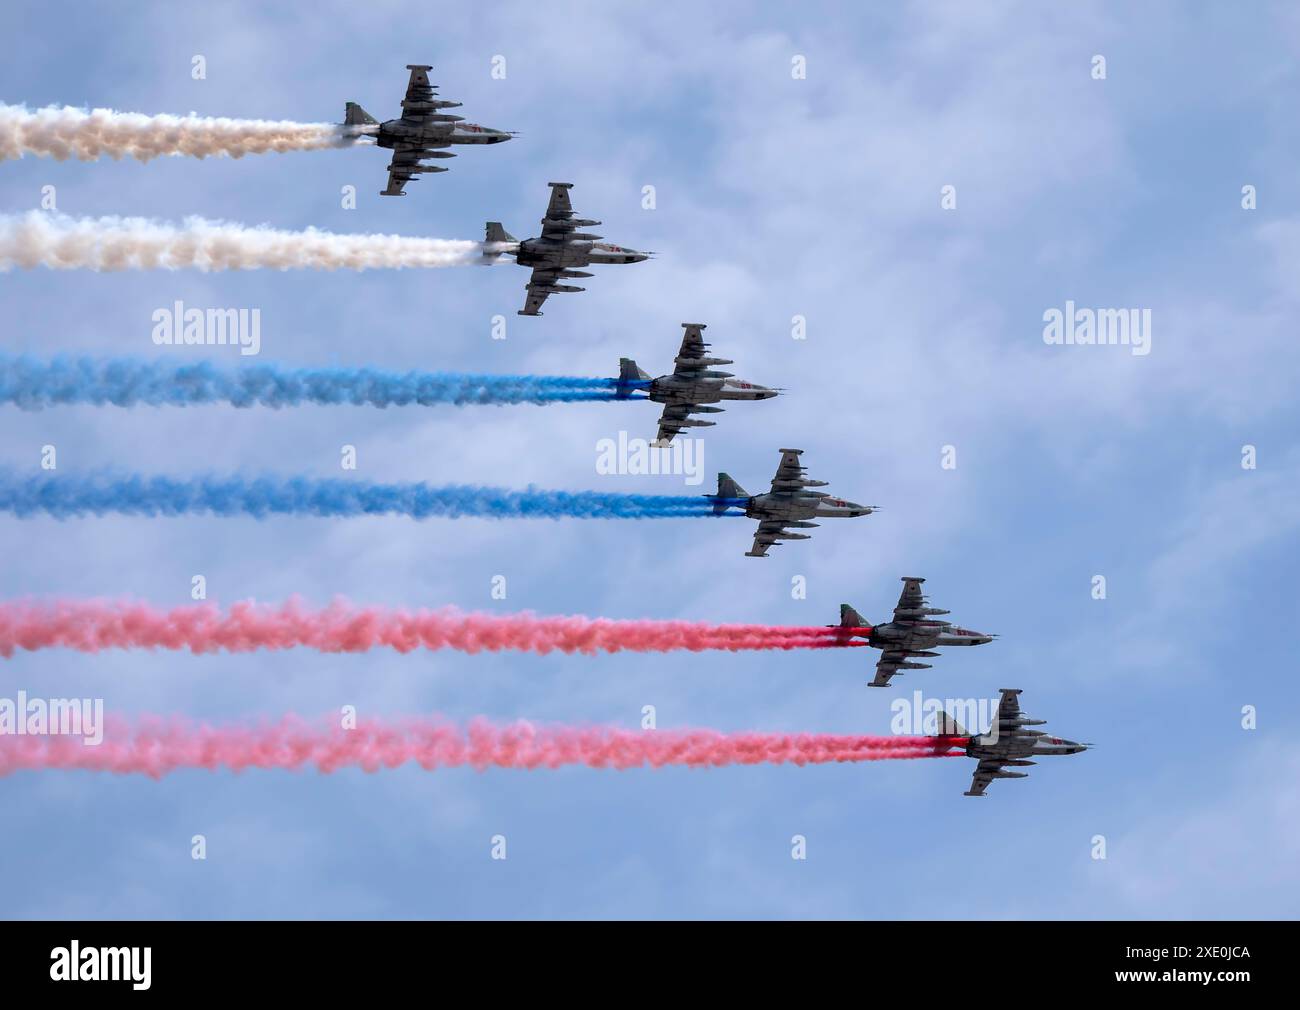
(125, 382)
(65, 497)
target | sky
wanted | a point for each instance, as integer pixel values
(776, 197)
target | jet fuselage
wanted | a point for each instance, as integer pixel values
(802, 505)
(396, 133)
(707, 387)
(545, 252)
(1020, 745)
(924, 635)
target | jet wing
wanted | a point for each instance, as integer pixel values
(420, 108)
(984, 774)
(789, 474)
(910, 602)
(768, 533)
(692, 359)
(408, 162)
(560, 208)
(791, 477)
(1009, 706)
(692, 352)
(670, 422)
(555, 224)
(399, 173)
(889, 663)
(1011, 719)
(420, 104)
(539, 289)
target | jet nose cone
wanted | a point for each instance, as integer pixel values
(767, 394)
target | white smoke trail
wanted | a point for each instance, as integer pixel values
(75, 133)
(38, 239)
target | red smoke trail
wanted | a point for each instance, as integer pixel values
(91, 625)
(154, 746)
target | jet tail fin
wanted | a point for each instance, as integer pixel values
(850, 618)
(355, 115)
(629, 372)
(948, 726)
(496, 233)
(727, 488)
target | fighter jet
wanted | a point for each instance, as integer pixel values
(422, 131)
(788, 504)
(691, 385)
(1007, 743)
(912, 632)
(555, 253)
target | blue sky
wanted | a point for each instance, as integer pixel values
(775, 197)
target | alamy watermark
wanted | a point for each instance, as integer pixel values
(635, 457)
(1091, 327)
(24, 716)
(920, 716)
(178, 326)
(75, 963)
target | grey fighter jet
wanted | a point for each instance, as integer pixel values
(914, 631)
(1007, 743)
(692, 384)
(423, 131)
(788, 505)
(557, 251)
